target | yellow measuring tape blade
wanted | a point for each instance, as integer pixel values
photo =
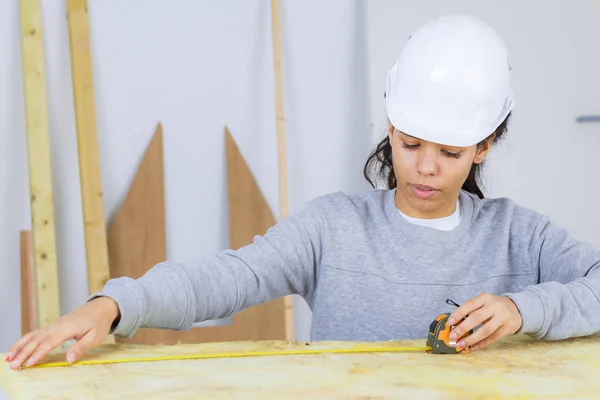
(232, 355)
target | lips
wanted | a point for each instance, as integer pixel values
(424, 187)
(424, 191)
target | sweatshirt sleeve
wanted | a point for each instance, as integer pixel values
(566, 301)
(175, 295)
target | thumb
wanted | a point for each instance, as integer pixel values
(79, 348)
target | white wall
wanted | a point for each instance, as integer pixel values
(547, 162)
(196, 66)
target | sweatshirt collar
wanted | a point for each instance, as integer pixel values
(405, 227)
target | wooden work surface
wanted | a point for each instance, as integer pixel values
(518, 368)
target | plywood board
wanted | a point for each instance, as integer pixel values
(38, 156)
(87, 146)
(515, 368)
(136, 235)
(249, 215)
(136, 242)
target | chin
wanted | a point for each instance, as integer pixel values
(424, 206)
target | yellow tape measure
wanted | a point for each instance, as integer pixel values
(232, 355)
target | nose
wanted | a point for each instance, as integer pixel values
(427, 163)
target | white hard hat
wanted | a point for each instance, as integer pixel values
(451, 84)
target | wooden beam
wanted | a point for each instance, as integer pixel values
(38, 151)
(281, 147)
(28, 295)
(87, 140)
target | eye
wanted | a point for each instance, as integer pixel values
(409, 146)
(450, 154)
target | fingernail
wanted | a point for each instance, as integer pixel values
(71, 358)
(451, 321)
(14, 365)
(9, 357)
(30, 362)
(461, 344)
(475, 348)
(453, 336)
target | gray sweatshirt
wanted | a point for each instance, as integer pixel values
(370, 275)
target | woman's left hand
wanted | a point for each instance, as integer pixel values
(498, 314)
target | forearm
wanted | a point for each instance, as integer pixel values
(554, 310)
(162, 298)
(174, 295)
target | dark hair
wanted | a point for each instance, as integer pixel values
(379, 164)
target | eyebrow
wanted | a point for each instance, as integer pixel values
(410, 136)
(459, 148)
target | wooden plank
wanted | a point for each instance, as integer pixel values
(38, 151)
(281, 146)
(515, 368)
(136, 242)
(87, 142)
(28, 296)
(279, 109)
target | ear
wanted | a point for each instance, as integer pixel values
(483, 149)
(390, 131)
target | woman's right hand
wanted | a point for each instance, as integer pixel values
(89, 325)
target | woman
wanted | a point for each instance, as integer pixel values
(380, 265)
